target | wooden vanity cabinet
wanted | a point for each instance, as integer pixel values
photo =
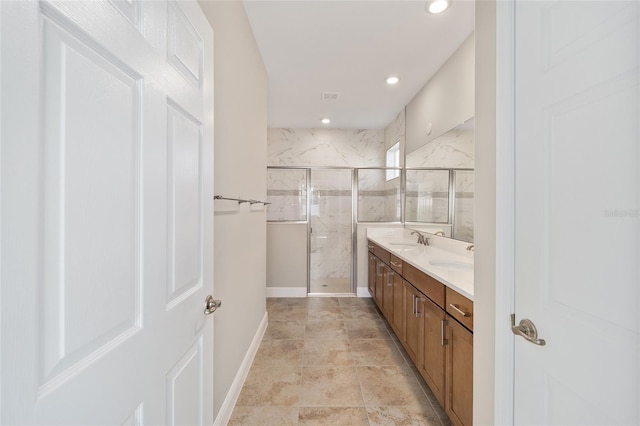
(394, 296)
(459, 374)
(431, 359)
(371, 277)
(412, 321)
(398, 316)
(387, 293)
(383, 284)
(375, 279)
(381, 275)
(434, 324)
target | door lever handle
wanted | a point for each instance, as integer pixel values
(210, 305)
(527, 329)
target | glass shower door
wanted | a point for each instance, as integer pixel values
(331, 231)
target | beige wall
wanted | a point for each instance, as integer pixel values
(240, 139)
(485, 215)
(445, 101)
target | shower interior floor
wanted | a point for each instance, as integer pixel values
(334, 285)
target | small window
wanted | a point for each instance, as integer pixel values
(393, 160)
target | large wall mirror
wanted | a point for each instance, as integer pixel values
(439, 184)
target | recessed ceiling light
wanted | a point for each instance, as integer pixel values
(392, 80)
(438, 6)
(325, 121)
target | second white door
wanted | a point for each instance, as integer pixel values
(577, 239)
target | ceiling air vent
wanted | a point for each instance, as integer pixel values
(330, 96)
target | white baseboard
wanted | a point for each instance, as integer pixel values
(362, 292)
(234, 392)
(286, 292)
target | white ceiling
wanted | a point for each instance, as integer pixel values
(351, 47)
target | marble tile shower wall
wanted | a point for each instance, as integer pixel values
(325, 147)
(372, 195)
(287, 193)
(378, 198)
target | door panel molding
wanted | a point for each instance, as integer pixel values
(185, 374)
(80, 243)
(185, 196)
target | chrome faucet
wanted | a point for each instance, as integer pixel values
(471, 247)
(421, 238)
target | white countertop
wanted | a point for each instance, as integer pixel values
(445, 260)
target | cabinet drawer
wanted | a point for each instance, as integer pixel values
(429, 286)
(379, 251)
(460, 308)
(395, 263)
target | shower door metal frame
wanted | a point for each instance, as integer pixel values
(354, 238)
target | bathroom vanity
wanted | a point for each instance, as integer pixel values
(426, 295)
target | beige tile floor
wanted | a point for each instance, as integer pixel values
(333, 361)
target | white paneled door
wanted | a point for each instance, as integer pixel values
(106, 213)
(577, 269)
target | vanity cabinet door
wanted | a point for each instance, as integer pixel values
(371, 277)
(380, 277)
(433, 349)
(459, 374)
(413, 321)
(388, 276)
(397, 322)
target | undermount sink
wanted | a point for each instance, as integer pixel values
(393, 243)
(452, 264)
